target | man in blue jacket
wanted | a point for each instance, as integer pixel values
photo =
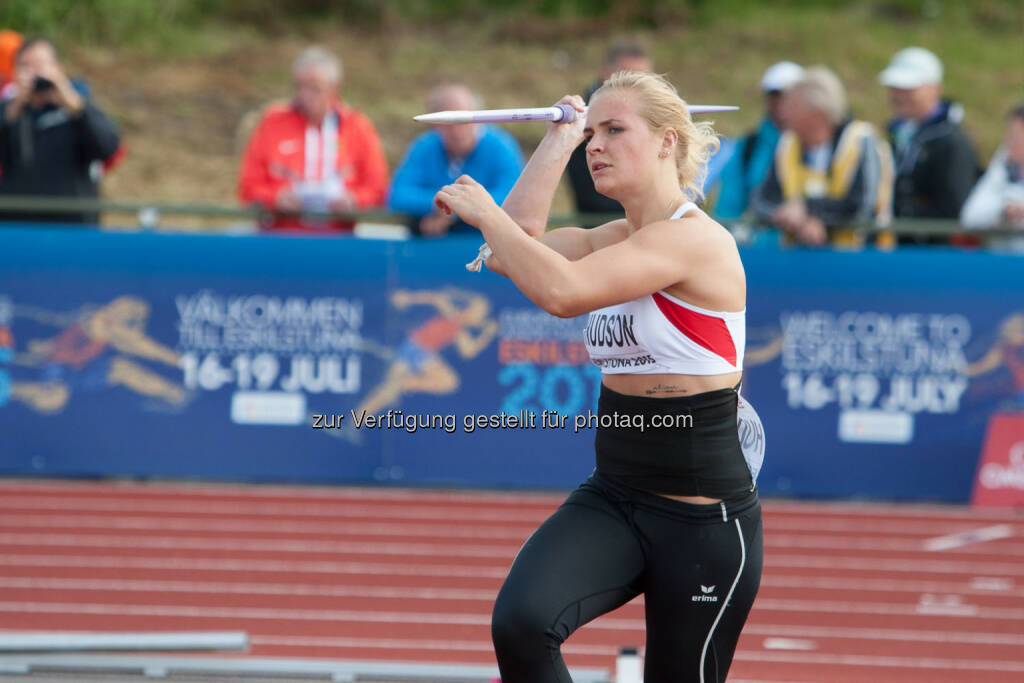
(490, 155)
(752, 157)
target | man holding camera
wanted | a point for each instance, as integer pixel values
(52, 139)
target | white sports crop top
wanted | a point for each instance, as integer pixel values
(660, 333)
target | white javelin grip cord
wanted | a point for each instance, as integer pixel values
(560, 113)
(481, 256)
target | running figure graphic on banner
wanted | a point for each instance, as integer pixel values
(96, 349)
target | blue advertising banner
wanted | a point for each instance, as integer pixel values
(345, 360)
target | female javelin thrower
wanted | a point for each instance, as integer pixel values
(670, 512)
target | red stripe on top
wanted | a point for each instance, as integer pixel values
(706, 330)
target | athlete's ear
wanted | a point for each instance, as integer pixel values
(668, 143)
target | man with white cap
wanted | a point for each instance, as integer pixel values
(752, 157)
(936, 165)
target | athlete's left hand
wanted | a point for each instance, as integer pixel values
(468, 199)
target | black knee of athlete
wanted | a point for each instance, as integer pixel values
(520, 631)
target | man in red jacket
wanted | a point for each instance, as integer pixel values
(314, 154)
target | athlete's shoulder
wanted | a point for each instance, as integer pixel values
(693, 238)
(694, 225)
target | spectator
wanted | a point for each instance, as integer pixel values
(315, 153)
(622, 56)
(435, 159)
(998, 198)
(936, 165)
(10, 43)
(50, 135)
(753, 153)
(829, 171)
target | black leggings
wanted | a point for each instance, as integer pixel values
(699, 567)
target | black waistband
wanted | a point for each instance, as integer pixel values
(725, 511)
(686, 445)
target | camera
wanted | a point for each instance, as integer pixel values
(40, 84)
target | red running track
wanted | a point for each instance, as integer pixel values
(850, 592)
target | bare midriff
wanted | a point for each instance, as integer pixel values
(668, 386)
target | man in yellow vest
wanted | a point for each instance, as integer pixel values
(831, 174)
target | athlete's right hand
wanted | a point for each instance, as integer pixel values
(572, 130)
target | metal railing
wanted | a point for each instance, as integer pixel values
(150, 215)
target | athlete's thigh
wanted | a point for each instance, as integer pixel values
(701, 584)
(583, 561)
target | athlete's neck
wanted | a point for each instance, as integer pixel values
(657, 205)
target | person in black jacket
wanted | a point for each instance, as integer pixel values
(622, 56)
(936, 165)
(50, 136)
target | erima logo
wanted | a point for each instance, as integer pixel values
(705, 595)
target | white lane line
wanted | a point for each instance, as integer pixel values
(255, 565)
(467, 525)
(569, 648)
(756, 628)
(879, 661)
(753, 629)
(816, 607)
(497, 570)
(964, 538)
(455, 548)
(977, 586)
(882, 513)
(767, 582)
(487, 596)
(279, 614)
(246, 509)
(789, 644)
(361, 528)
(873, 543)
(410, 592)
(327, 494)
(859, 525)
(347, 511)
(913, 566)
(465, 529)
(221, 612)
(888, 608)
(992, 583)
(203, 490)
(224, 587)
(266, 546)
(927, 604)
(944, 605)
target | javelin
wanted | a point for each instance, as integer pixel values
(560, 113)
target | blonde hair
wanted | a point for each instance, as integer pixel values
(661, 106)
